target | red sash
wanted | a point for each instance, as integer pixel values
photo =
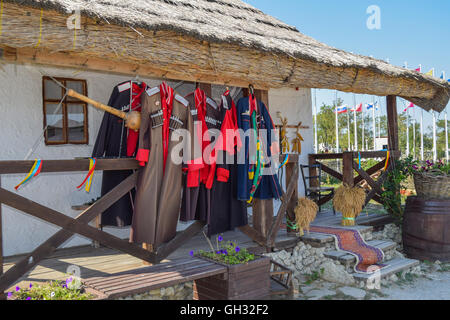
(167, 105)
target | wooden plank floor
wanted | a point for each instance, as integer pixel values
(95, 262)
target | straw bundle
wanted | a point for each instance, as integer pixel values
(224, 42)
(305, 213)
(350, 201)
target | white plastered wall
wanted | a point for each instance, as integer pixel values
(296, 106)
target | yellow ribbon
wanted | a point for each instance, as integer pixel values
(387, 161)
(89, 182)
(74, 37)
(40, 29)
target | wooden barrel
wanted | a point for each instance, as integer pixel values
(426, 229)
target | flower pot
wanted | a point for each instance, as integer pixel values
(432, 186)
(250, 281)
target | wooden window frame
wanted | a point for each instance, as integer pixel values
(65, 103)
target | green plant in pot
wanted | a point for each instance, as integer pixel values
(432, 180)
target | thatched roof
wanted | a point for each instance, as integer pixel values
(234, 22)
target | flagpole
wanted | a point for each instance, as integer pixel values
(421, 135)
(446, 137)
(356, 126)
(434, 137)
(348, 130)
(414, 133)
(316, 148)
(407, 132)
(337, 124)
(379, 118)
(374, 127)
(363, 131)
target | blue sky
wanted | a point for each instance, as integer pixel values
(414, 31)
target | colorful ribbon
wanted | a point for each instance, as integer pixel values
(40, 29)
(255, 169)
(35, 170)
(387, 161)
(359, 160)
(285, 161)
(90, 175)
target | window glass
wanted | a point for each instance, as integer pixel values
(55, 122)
(75, 122)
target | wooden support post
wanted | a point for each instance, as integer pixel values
(292, 172)
(262, 209)
(391, 108)
(2, 295)
(347, 169)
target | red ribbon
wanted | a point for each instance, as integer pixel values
(167, 104)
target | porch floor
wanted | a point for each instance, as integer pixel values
(94, 262)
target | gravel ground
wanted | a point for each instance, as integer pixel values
(434, 286)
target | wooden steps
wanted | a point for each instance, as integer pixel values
(348, 259)
(153, 277)
(320, 239)
(395, 265)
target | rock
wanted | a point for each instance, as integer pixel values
(318, 294)
(336, 274)
(393, 278)
(169, 291)
(155, 292)
(353, 292)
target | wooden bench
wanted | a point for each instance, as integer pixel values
(153, 277)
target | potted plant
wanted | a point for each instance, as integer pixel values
(432, 180)
(247, 277)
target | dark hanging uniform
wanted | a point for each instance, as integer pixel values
(158, 189)
(210, 194)
(268, 186)
(114, 140)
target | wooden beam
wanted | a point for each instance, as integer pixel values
(347, 169)
(1, 236)
(253, 234)
(75, 165)
(367, 177)
(73, 225)
(166, 249)
(49, 246)
(292, 170)
(325, 199)
(392, 117)
(293, 183)
(380, 165)
(331, 172)
(326, 156)
(119, 66)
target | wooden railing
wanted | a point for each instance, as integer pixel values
(350, 166)
(80, 225)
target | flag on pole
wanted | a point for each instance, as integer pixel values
(430, 73)
(369, 106)
(419, 69)
(357, 108)
(410, 106)
(442, 75)
(341, 109)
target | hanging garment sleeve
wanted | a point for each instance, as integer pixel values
(103, 133)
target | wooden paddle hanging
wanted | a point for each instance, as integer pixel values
(132, 118)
